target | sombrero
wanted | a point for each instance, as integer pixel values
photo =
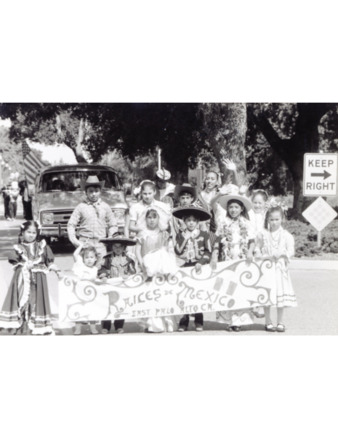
(163, 174)
(184, 188)
(224, 200)
(125, 241)
(200, 213)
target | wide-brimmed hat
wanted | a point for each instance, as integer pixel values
(200, 213)
(185, 188)
(93, 181)
(235, 194)
(163, 174)
(119, 238)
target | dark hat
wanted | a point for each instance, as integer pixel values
(93, 181)
(200, 213)
(119, 238)
(184, 188)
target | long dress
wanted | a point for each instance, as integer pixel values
(232, 243)
(280, 244)
(158, 260)
(27, 297)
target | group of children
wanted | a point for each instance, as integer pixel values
(219, 223)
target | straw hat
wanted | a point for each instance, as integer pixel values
(93, 181)
(200, 213)
(185, 188)
(163, 174)
(236, 193)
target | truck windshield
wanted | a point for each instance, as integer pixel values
(74, 180)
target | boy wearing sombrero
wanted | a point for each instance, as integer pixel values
(185, 195)
(193, 248)
(117, 264)
(92, 218)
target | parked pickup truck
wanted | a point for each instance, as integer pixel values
(59, 189)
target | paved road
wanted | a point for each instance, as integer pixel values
(314, 282)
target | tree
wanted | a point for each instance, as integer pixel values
(291, 132)
(225, 130)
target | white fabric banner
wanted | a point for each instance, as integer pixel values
(233, 285)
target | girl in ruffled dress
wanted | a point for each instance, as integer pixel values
(27, 305)
(234, 241)
(85, 268)
(155, 255)
(277, 243)
(257, 216)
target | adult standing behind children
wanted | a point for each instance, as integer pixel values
(93, 217)
(164, 188)
(137, 210)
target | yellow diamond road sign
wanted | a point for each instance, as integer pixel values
(320, 174)
(319, 214)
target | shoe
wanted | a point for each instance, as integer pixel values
(182, 328)
(93, 329)
(199, 327)
(77, 330)
(236, 328)
(104, 331)
(119, 331)
(280, 327)
(270, 328)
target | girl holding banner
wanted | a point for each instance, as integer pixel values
(234, 240)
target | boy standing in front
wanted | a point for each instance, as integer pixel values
(94, 218)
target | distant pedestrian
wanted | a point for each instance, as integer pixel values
(278, 244)
(26, 200)
(92, 219)
(13, 196)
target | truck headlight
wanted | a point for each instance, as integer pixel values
(47, 218)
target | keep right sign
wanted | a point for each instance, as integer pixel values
(320, 174)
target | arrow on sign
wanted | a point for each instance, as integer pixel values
(325, 175)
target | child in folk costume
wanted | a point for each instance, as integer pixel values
(257, 215)
(156, 257)
(117, 264)
(193, 249)
(85, 268)
(27, 300)
(234, 241)
(277, 243)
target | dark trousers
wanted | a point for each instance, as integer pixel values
(6, 205)
(118, 324)
(12, 209)
(27, 210)
(185, 320)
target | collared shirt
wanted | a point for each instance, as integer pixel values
(195, 249)
(93, 220)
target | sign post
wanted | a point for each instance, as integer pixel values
(320, 179)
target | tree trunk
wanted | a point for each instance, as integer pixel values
(304, 140)
(226, 125)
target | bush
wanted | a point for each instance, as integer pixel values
(306, 238)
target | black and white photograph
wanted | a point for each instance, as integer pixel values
(168, 218)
